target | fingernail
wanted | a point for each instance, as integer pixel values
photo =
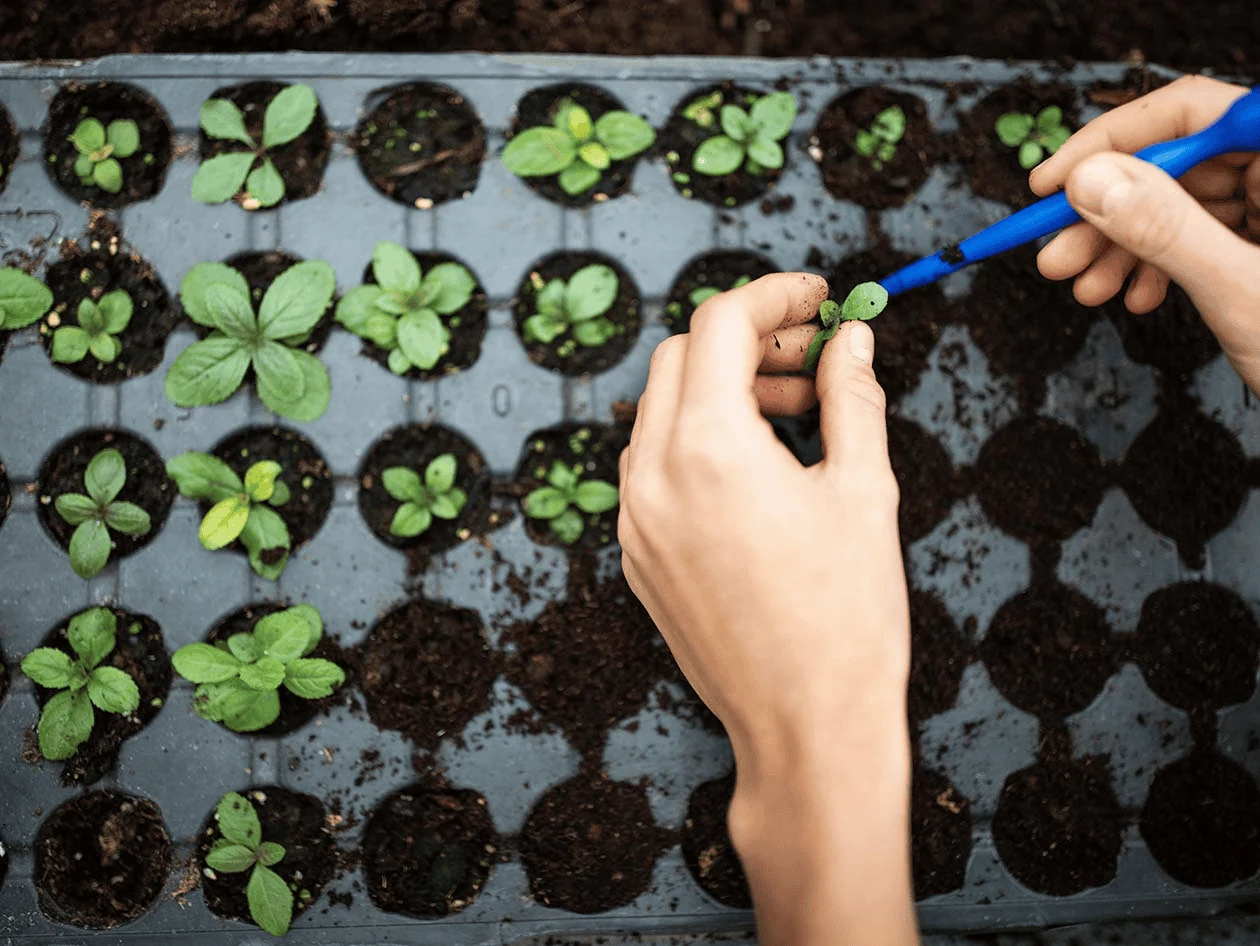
(1100, 186)
(861, 342)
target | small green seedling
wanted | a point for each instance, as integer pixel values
(100, 148)
(576, 148)
(879, 142)
(436, 496)
(703, 111)
(401, 312)
(576, 306)
(241, 848)
(703, 294)
(99, 325)
(866, 301)
(222, 177)
(23, 299)
(95, 514)
(238, 680)
(67, 719)
(241, 510)
(562, 502)
(1034, 137)
(291, 382)
(750, 138)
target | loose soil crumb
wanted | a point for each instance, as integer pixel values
(940, 834)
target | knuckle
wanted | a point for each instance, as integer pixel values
(1157, 228)
(667, 352)
(864, 389)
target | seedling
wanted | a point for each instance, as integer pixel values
(67, 719)
(562, 502)
(222, 177)
(863, 303)
(100, 148)
(576, 306)
(241, 510)
(436, 496)
(99, 325)
(750, 138)
(879, 142)
(402, 312)
(703, 111)
(1034, 137)
(576, 148)
(291, 382)
(703, 294)
(95, 514)
(23, 299)
(241, 848)
(238, 680)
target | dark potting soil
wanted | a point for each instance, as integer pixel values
(1049, 651)
(1173, 338)
(426, 671)
(938, 656)
(101, 859)
(850, 176)
(993, 167)
(1186, 476)
(598, 449)
(719, 270)
(140, 652)
(6, 498)
(10, 144)
(1136, 82)
(260, 270)
(707, 847)
(294, 821)
(590, 844)
(147, 485)
(427, 852)
(303, 471)
(625, 314)
(681, 137)
(1201, 820)
(99, 263)
(1058, 826)
(1198, 645)
(940, 834)
(467, 327)
(142, 173)
(928, 481)
(421, 144)
(301, 162)
(538, 108)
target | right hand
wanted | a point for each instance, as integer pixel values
(1198, 232)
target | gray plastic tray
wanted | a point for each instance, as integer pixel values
(186, 764)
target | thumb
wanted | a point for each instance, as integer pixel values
(853, 421)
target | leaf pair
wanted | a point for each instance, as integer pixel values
(577, 306)
(291, 382)
(222, 177)
(864, 302)
(1034, 137)
(576, 148)
(749, 138)
(566, 497)
(100, 148)
(240, 509)
(67, 719)
(237, 680)
(23, 299)
(99, 324)
(95, 514)
(401, 312)
(879, 142)
(242, 848)
(703, 294)
(436, 496)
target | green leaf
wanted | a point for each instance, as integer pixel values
(288, 114)
(65, 724)
(280, 494)
(439, 475)
(90, 317)
(115, 310)
(221, 178)
(282, 635)
(1013, 127)
(591, 291)
(814, 351)
(703, 294)
(410, 520)
(546, 502)
(1049, 118)
(127, 518)
(278, 375)
(316, 391)
(596, 496)
(236, 706)
(223, 523)
(23, 299)
(568, 526)
(448, 505)
(542, 328)
(539, 152)
(92, 635)
(202, 476)
(577, 178)
(358, 307)
(107, 175)
(70, 344)
(312, 678)
(890, 124)
(392, 303)
(90, 546)
(550, 300)
(773, 115)
(401, 483)
(221, 119)
(260, 480)
(270, 901)
(228, 858)
(596, 155)
(448, 287)
(624, 134)
(265, 184)
(765, 152)
(105, 476)
(1057, 139)
(270, 853)
(829, 312)
(422, 337)
(113, 691)
(395, 268)
(314, 625)
(266, 674)
(124, 135)
(1030, 155)
(105, 348)
(242, 647)
(865, 301)
(575, 120)
(736, 123)
(865, 143)
(197, 282)
(238, 821)
(207, 372)
(562, 476)
(718, 156)
(83, 165)
(204, 663)
(88, 136)
(297, 299)
(75, 508)
(230, 312)
(48, 667)
(594, 332)
(265, 530)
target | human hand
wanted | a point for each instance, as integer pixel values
(1137, 220)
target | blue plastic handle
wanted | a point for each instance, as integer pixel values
(1237, 130)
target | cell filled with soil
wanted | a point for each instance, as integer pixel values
(260, 270)
(10, 145)
(940, 834)
(720, 270)
(101, 859)
(849, 175)
(938, 657)
(428, 851)
(1173, 338)
(421, 144)
(707, 847)
(1201, 820)
(143, 172)
(926, 476)
(589, 845)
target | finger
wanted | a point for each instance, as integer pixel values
(654, 420)
(1105, 277)
(783, 395)
(1251, 186)
(1212, 181)
(1232, 213)
(785, 348)
(853, 421)
(1147, 289)
(1071, 252)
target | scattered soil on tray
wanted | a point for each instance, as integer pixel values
(421, 144)
(850, 176)
(260, 270)
(940, 834)
(142, 173)
(101, 859)
(926, 476)
(707, 848)
(427, 852)
(10, 144)
(6, 498)
(590, 844)
(719, 270)
(1202, 820)
(625, 314)
(1173, 338)
(938, 657)
(294, 821)
(140, 652)
(147, 485)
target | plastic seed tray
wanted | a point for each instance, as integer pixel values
(975, 555)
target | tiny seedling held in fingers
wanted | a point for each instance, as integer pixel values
(566, 497)
(863, 303)
(577, 306)
(879, 142)
(240, 847)
(94, 515)
(423, 500)
(99, 149)
(749, 138)
(100, 322)
(1034, 137)
(23, 299)
(81, 683)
